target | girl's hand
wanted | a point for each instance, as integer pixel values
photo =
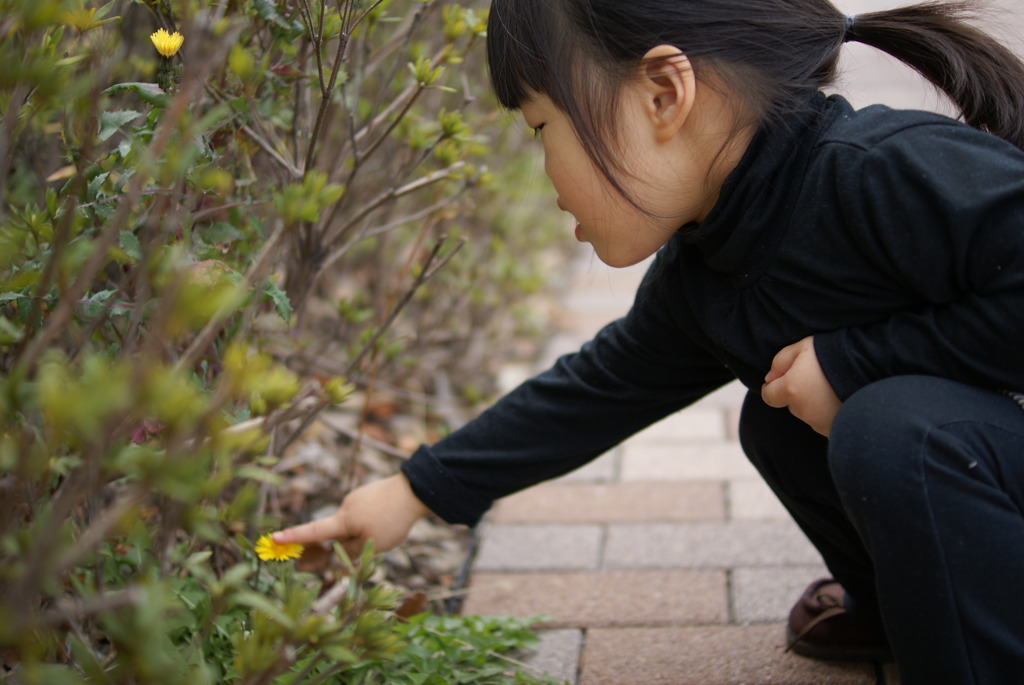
(796, 381)
(382, 511)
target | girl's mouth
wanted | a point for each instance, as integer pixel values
(579, 229)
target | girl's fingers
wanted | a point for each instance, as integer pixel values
(772, 397)
(772, 390)
(782, 362)
(330, 528)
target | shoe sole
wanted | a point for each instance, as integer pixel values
(832, 653)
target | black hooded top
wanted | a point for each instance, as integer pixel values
(895, 238)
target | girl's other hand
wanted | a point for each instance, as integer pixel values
(382, 511)
(797, 382)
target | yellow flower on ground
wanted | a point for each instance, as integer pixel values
(167, 44)
(268, 550)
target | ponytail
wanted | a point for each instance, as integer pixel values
(984, 79)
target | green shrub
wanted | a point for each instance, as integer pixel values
(203, 245)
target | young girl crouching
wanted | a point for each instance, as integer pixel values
(861, 272)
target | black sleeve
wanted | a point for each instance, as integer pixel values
(636, 371)
(942, 210)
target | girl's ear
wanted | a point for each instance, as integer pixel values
(669, 89)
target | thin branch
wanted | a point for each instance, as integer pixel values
(426, 273)
(304, 673)
(393, 194)
(307, 421)
(327, 94)
(200, 215)
(288, 166)
(397, 102)
(392, 225)
(361, 155)
(99, 529)
(403, 34)
(330, 599)
(293, 170)
(7, 125)
(66, 609)
(359, 435)
(365, 14)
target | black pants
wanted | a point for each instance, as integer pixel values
(916, 503)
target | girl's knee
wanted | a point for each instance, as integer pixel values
(877, 434)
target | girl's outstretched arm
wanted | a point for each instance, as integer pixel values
(796, 381)
(382, 511)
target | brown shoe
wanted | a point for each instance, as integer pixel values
(820, 628)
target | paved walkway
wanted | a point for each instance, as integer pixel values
(664, 561)
(667, 561)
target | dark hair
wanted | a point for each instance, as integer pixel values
(768, 52)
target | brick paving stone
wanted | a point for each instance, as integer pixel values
(693, 423)
(707, 545)
(539, 547)
(604, 469)
(766, 593)
(607, 599)
(706, 655)
(728, 396)
(685, 461)
(732, 422)
(750, 499)
(613, 503)
(558, 654)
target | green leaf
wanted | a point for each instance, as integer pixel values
(150, 93)
(221, 232)
(280, 299)
(94, 304)
(130, 244)
(258, 474)
(340, 653)
(92, 192)
(10, 332)
(86, 659)
(110, 122)
(261, 603)
(267, 10)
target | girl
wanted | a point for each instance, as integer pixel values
(861, 272)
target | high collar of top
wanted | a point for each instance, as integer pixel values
(741, 232)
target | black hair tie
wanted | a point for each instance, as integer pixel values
(850, 30)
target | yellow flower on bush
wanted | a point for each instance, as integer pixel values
(268, 550)
(167, 44)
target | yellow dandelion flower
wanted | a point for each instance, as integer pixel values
(167, 44)
(268, 550)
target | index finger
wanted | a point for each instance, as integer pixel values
(330, 528)
(773, 395)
